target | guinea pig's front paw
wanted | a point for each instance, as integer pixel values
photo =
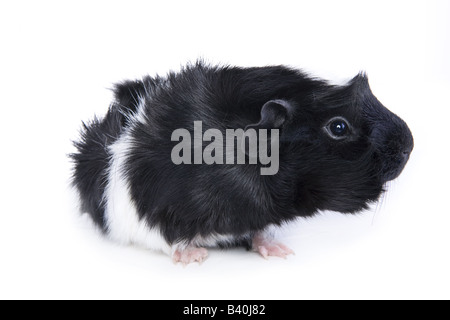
(189, 255)
(270, 248)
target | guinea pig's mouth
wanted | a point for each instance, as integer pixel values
(394, 167)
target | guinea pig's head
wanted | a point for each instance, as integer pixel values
(342, 144)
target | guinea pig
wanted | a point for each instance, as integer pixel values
(335, 148)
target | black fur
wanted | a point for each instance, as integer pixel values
(316, 171)
(92, 160)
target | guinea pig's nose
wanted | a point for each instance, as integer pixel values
(405, 155)
(407, 150)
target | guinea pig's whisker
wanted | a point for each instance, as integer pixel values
(380, 203)
(384, 195)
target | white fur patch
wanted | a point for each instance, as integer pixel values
(212, 240)
(139, 115)
(123, 223)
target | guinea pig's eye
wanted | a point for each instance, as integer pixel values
(338, 128)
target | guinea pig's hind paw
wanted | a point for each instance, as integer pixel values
(190, 255)
(271, 249)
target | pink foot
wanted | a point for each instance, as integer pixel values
(190, 255)
(270, 248)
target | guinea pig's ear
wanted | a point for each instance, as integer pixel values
(360, 84)
(274, 114)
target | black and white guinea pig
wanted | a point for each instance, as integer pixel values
(338, 146)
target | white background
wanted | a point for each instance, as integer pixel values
(57, 60)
